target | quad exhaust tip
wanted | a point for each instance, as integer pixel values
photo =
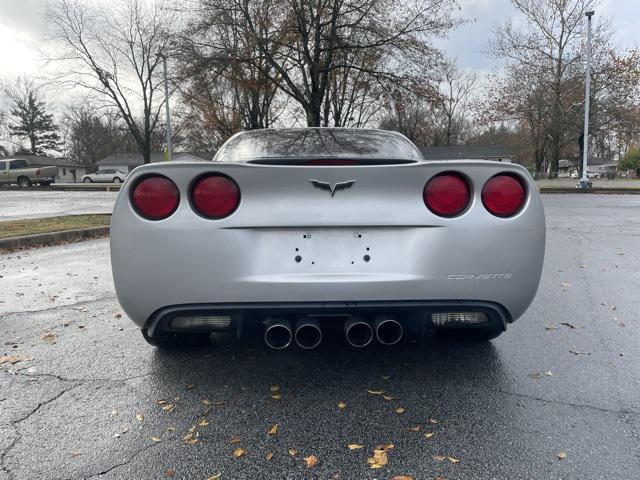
(308, 334)
(358, 331)
(278, 334)
(388, 330)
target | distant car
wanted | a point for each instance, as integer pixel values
(577, 174)
(290, 233)
(108, 175)
(19, 171)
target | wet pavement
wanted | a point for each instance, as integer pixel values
(38, 203)
(90, 399)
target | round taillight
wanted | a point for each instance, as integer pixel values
(447, 194)
(155, 197)
(503, 195)
(215, 196)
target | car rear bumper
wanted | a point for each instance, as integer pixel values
(416, 316)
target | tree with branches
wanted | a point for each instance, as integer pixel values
(111, 50)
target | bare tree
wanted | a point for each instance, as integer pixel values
(111, 50)
(451, 102)
(305, 47)
(545, 51)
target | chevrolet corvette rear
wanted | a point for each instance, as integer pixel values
(289, 233)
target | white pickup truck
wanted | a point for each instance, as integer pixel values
(18, 171)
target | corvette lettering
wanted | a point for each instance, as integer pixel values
(479, 276)
(332, 188)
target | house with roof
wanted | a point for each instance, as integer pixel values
(496, 153)
(125, 162)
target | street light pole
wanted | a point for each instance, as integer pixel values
(166, 104)
(584, 183)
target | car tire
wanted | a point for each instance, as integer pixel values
(87, 180)
(45, 184)
(24, 182)
(173, 341)
(117, 180)
(468, 335)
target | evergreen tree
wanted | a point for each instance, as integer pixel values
(34, 124)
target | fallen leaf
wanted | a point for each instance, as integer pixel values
(239, 452)
(379, 458)
(161, 402)
(414, 429)
(402, 477)
(191, 386)
(15, 358)
(192, 429)
(565, 285)
(385, 377)
(275, 388)
(375, 392)
(273, 430)
(562, 455)
(269, 456)
(76, 453)
(206, 401)
(354, 446)
(140, 417)
(551, 327)
(292, 452)
(311, 461)
(234, 440)
(190, 439)
(549, 373)
(203, 422)
(170, 473)
(428, 435)
(276, 397)
(155, 439)
(169, 407)
(50, 337)
(342, 405)
(399, 410)
(388, 397)
(570, 325)
(453, 460)
(535, 375)
(575, 352)
(214, 477)
(114, 412)
(439, 458)
(434, 421)
(118, 315)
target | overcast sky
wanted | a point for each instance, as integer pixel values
(21, 32)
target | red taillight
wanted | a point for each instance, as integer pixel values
(447, 194)
(155, 197)
(503, 195)
(215, 196)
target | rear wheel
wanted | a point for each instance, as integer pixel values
(24, 182)
(171, 341)
(117, 180)
(87, 180)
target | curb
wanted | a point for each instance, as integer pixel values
(596, 190)
(52, 238)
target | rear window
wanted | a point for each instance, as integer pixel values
(318, 144)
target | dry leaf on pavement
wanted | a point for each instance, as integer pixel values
(273, 430)
(293, 452)
(562, 456)
(402, 477)
(342, 405)
(439, 458)
(214, 477)
(140, 417)
(50, 337)
(239, 452)
(428, 435)
(453, 460)
(155, 439)
(169, 473)
(275, 388)
(203, 422)
(375, 392)
(354, 446)
(15, 358)
(269, 456)
(311, 461)
(414, 429)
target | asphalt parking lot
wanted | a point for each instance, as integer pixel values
(90, 399)
(38, 203)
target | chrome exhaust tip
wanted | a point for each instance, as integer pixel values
(358, 332)
(308, 334)
(388, 330)
(278, 334)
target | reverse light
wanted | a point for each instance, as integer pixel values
(503, 195)
(443, 319)
(155, 197)
(447, 194)
(215, 196)
(215, 322)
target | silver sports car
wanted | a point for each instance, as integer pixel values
(289, 233)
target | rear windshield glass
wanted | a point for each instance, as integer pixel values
(306, 143)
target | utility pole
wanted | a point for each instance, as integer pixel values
(584, 181)
(166, 104)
